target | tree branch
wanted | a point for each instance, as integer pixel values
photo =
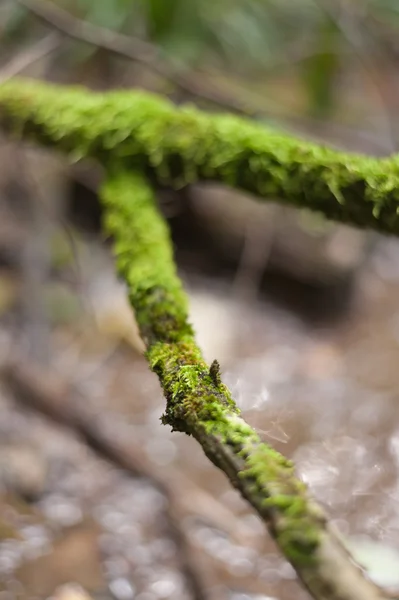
(27, 57)
(178, 146)
(121, 45)
(136, 133)
(131, 48)
(199, 404)
(353, 33)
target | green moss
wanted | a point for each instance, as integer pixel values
(214, 372)
(183, 145)
(144, 258)
(132, 133)
(192, 396)
(298, 522)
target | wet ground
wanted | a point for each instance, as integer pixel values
(326, 396)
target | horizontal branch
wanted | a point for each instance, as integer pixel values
(199, 404)
(178, 146)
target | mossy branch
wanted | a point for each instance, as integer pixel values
(133, 134)
(199, 404)
(184, 145)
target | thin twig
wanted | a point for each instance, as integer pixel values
(129, 48)
(151, 56)
(31, 55)
(116, 43)
(355, 40)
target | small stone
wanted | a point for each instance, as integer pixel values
(122, 589)
(167, 586)
(23, 470)
(70, 591)
(240, 567)
(61, 510)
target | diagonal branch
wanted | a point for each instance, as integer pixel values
(28, 57)
(131, 48)
(119, 44)
(361, 49)
(199, 404)
(192, 84)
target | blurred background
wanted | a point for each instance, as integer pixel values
(302, 314)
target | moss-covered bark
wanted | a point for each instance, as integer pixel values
(184, 145)
(198, 403)
(134, 134)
